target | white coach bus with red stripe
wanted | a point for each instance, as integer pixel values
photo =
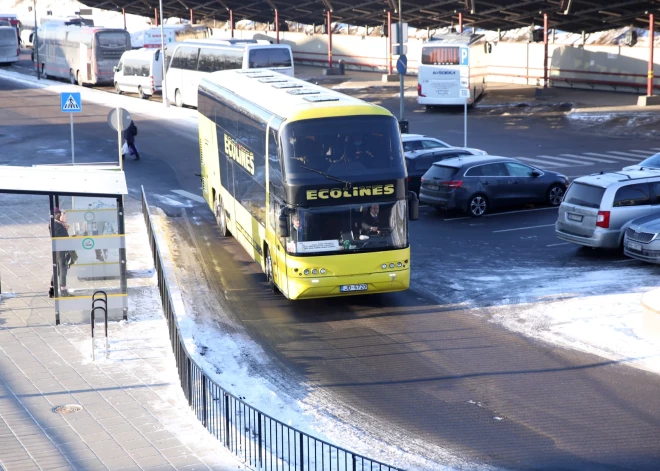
(82, 54)
(452, 69)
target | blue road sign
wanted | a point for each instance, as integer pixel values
(402, 64)
(465, 56)
(70, 102)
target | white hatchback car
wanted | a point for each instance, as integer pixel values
(414, 143)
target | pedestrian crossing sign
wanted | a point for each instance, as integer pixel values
(70, 102)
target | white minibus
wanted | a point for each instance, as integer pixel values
(140, 71)
(9, 49)
(452, 69)
(187, 62)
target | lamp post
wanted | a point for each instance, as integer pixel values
(36, 39)
(401, 91)
(162, 52)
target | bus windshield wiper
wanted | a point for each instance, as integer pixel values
(329, 177)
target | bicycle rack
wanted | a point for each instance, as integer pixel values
(104, 307)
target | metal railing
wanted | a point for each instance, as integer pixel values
(103, 300)
(257, 439)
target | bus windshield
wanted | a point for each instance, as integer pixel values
(348, 228)
(112, 39)
(345, 147)
(269, 57)
(441, 56)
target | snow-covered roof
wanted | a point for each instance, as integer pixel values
(62, 181)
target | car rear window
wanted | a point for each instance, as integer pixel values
(584, 195)
(441, 172)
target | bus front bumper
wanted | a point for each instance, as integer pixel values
(328, 286)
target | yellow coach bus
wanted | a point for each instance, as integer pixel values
(311, 182)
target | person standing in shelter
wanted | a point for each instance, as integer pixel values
(61, 229)
(129, 136)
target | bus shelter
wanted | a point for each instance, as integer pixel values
(90, 255)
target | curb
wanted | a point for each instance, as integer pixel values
(651, 317)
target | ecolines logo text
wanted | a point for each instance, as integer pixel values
(358, 191)
(444, 72)
(240, 154)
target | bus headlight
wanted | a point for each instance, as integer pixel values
(306, 272)
(391, 265)
(314, 271)
(322, 271)
(383, 266)
(399, 264)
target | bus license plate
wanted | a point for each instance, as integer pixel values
(349, 288)
(635, 246)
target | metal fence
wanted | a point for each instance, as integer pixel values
(260, 441)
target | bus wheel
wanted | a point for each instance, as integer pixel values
(117, 88)
(269, 272)
(221, 218)
(72, 77)
(177, 99)
(79, 80)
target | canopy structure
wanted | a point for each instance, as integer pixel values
(63, 181)
(567, 15)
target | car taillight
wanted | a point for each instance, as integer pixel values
(603, 219)
(419, 90)
(453, 183)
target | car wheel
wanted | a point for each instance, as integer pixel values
(141, 93)
(177, 99)
(117, 88)
(556, 194)
(221, 218)
(477, 206)
(269, 271)
(72, 77)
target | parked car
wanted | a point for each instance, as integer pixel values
(597, 209)
(649, 162)
(419, 163)
(480, 183)
(413, 143)
(140, 71)
(642, 239)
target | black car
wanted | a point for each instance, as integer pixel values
(479, 183)
(419, 163)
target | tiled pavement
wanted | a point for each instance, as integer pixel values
(133, 415)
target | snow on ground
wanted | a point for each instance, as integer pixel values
(597, 311)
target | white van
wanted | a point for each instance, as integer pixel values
(9, 49)
(140, 71)
(187, 62)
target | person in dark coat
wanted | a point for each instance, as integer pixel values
(60, 230)
(129, 137)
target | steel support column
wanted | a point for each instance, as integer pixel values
(156, 16)
(277, 26)
(191, 16)
(649, 83)
(545, 50)
(231, 22)
(329, 15)
(123, 12)
(389, 42)
(460, 22)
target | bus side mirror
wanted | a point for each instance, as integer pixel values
(413, 206)
(284, 225)
(114, 69)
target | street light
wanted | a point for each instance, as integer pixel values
(35, 44)
(162, 52)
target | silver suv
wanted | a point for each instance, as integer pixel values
(598, 208)
(642, 239)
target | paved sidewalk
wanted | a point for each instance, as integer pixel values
(133, 415)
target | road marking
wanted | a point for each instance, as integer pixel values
(612, 156)
(655, 148)
(557, 245)
(524, 228)
(597, 159)
(647, 152)
(625, 261)
(190, 196)
(543, 163)
(505, 213)
(570, 162)
(627, 154)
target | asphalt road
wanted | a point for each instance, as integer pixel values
(420, 364)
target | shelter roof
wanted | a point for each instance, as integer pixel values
(567, 15)
(62, 181)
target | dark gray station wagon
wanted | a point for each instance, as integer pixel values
(477, 184)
